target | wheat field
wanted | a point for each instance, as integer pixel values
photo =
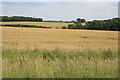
(22, 38)
(59, 53)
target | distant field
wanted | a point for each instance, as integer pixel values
(22, 38)
(45, 24)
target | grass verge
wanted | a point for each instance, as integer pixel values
(59, 64)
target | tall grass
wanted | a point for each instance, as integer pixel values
(59, 64)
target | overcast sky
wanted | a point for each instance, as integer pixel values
(62, 10)
(59, 0)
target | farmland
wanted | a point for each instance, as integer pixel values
(45, 24)
(59, 40)
(59, 53)
(21, 38)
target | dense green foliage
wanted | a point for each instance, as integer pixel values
(75, 26)
(19, 25)
(19, 18)
(80, 20)
(71, 26)
(64, 27)
(111, 24)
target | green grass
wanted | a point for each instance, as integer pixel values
(59, 64)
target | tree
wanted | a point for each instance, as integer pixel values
(78, 26)
(19, 18)
(73, 21)
(111, 24)
(70, 26)
(78, 20)
(64, 27)
(82, 20)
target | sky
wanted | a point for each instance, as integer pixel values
(62, 10)
(59, 0)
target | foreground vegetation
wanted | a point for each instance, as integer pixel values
(59, 64)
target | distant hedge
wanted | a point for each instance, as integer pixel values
(19, 25)
(64, 27)
(19, 18)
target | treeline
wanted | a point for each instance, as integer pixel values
(19, 18)
(19, 25)
(111, 24)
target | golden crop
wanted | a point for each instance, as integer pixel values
(21, 38)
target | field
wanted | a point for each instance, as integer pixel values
(45, 24)
(21, 38)
(59, 53)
